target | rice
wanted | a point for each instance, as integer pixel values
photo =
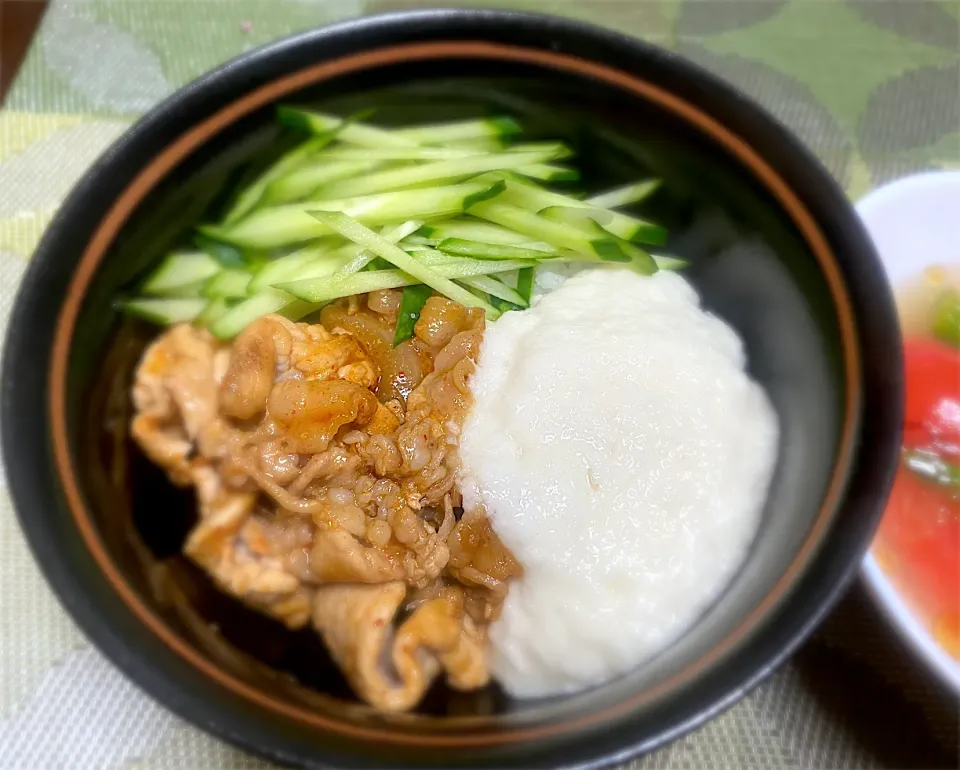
(623, 456)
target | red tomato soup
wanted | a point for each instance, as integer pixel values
(918, 545)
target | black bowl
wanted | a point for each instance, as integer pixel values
(775, 249)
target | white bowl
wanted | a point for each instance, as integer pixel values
(914, 223)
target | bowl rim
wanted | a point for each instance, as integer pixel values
(910, 629)
(403, 25)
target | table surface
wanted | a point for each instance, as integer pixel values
(872, 87)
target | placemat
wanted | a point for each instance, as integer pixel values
(872, 86)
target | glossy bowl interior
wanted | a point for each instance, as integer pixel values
(774, 250)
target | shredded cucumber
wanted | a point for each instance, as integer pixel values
(350, 258)
(495, 288)
(232, 282)
(549, 173)
(621, 225)
(165, 311)
(401, 153)
(238, 317)
(185, 291)
(536, 198)
(283, 268)
(179, 271)
(456, 206)
(351, 132)
(225, 254)
(443, 170)
(305, 180)
(319, 290)
(557, 234)
(356, 232)
(287, 225)
(397, 233)
(558, 150)
(213, 310)
(250, 197)
(466, 130)
(669, 263)
(482, 232)
(416, 240)
(489, 144)
(624, 196)
(476, 250)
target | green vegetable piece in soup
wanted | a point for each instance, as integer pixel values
(946, 320)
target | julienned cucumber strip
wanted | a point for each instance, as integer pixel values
(557, 151)
(433, 258)
(624, 196)
(549, 173)
(360, 259)
(525, 283)
(482, 232)
(417, 240)
(397, 233)
(165, 311)
(400, 153)
(249, 198)
(356, 232)
(231, 323)
(536, 198)
(188, 290)
(282, 268)
(344, 261)
(457, 168)
(232, 282)
(326, 289)
(612, 249)
(621, 225)
(301, 182)
(522, 192)
(466, 130)
(665, 262)
(390, 176)
(224, 253)
(557, 234)
(484, 195)
(328, 265)
(179, 270)
(411, 303)
(495, 288)
(490, 144)
(641, 261)
(285, 225)
(464, 248)
(215, 309)
(318, 259)
(351, 133)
